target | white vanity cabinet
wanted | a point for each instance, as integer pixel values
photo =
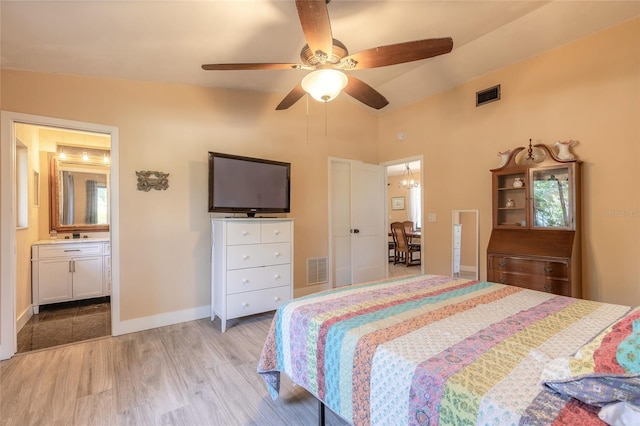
(251, 266)
(62, 271)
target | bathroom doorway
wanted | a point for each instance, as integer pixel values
(41, 136)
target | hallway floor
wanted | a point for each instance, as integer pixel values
(62, 323)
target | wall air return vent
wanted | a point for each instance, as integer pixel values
(488, 95)
(316, 270)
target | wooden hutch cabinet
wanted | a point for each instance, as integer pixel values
(535, 241)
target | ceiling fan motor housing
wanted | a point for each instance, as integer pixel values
(313, 59)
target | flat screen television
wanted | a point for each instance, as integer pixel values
(248, 185)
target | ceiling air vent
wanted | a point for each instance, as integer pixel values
(488, 95)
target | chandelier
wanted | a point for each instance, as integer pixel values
(408, 181)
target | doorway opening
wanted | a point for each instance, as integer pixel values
(404, 203)
(42, 136)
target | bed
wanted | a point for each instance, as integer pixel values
(430, 350)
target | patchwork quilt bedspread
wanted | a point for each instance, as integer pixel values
(431, 350)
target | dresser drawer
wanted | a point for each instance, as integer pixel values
(240, 280)
(254, 302)
(542, 267)
(275, 232)
(68, 250)
(243, 233)
(251, 256)
(549, 285)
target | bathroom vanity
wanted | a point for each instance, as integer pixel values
(70, 269)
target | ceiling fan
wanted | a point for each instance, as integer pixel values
(328, 57)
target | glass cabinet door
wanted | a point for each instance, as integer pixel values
(552, 198)
(511, 200)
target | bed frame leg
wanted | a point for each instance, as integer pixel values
(320, 413)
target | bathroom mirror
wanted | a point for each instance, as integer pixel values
(79, 192)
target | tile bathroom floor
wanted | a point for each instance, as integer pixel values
(69, 322)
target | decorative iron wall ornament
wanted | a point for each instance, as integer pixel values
(148, 180)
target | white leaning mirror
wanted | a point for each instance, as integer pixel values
(465, 261)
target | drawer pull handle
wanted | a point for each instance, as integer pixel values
(245, 257)
(548, 269)
(245, 233)
(548, 287)
(503, 280)
(245, 305)
(276, 276)
(277, 299)
(276, 232)
(245, 281)
(66, 251)
(502, 264)
(276, 254)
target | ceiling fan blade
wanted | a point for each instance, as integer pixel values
(316, 26)
(291, 98)
(366, 94)
(398, 53)
(257, 66)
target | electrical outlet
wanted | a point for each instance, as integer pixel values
(431, 217)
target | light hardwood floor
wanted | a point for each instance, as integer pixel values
(184, 374)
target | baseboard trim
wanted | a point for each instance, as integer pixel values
(23, 318)
(162, 320)
(299, 292)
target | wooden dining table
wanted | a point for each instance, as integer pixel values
(410, 235)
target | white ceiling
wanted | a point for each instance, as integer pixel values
(168, 41)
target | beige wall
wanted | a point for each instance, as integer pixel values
(26, 236)
(394, 191)
(164, 235)
(588, 91)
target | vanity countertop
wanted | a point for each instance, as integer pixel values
(72, 241)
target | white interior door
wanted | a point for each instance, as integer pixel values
(368, 237)
(358, 239)
(340, 223)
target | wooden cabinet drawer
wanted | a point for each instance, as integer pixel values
(68, 250)
(542, 267)
(254, 302)
(549, 285)
(251, 256)
(243, 233)
(250, 279)
(275, 232)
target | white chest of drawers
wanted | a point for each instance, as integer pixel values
(251, 266)
(69, 270)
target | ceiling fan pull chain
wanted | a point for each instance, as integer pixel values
(307, 118)
(325, 118)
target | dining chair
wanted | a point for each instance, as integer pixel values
(408, 228)
(405, 251)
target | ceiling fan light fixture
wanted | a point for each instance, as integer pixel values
(324, 85)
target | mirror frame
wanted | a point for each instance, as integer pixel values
(54, 204)
(455, 219)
